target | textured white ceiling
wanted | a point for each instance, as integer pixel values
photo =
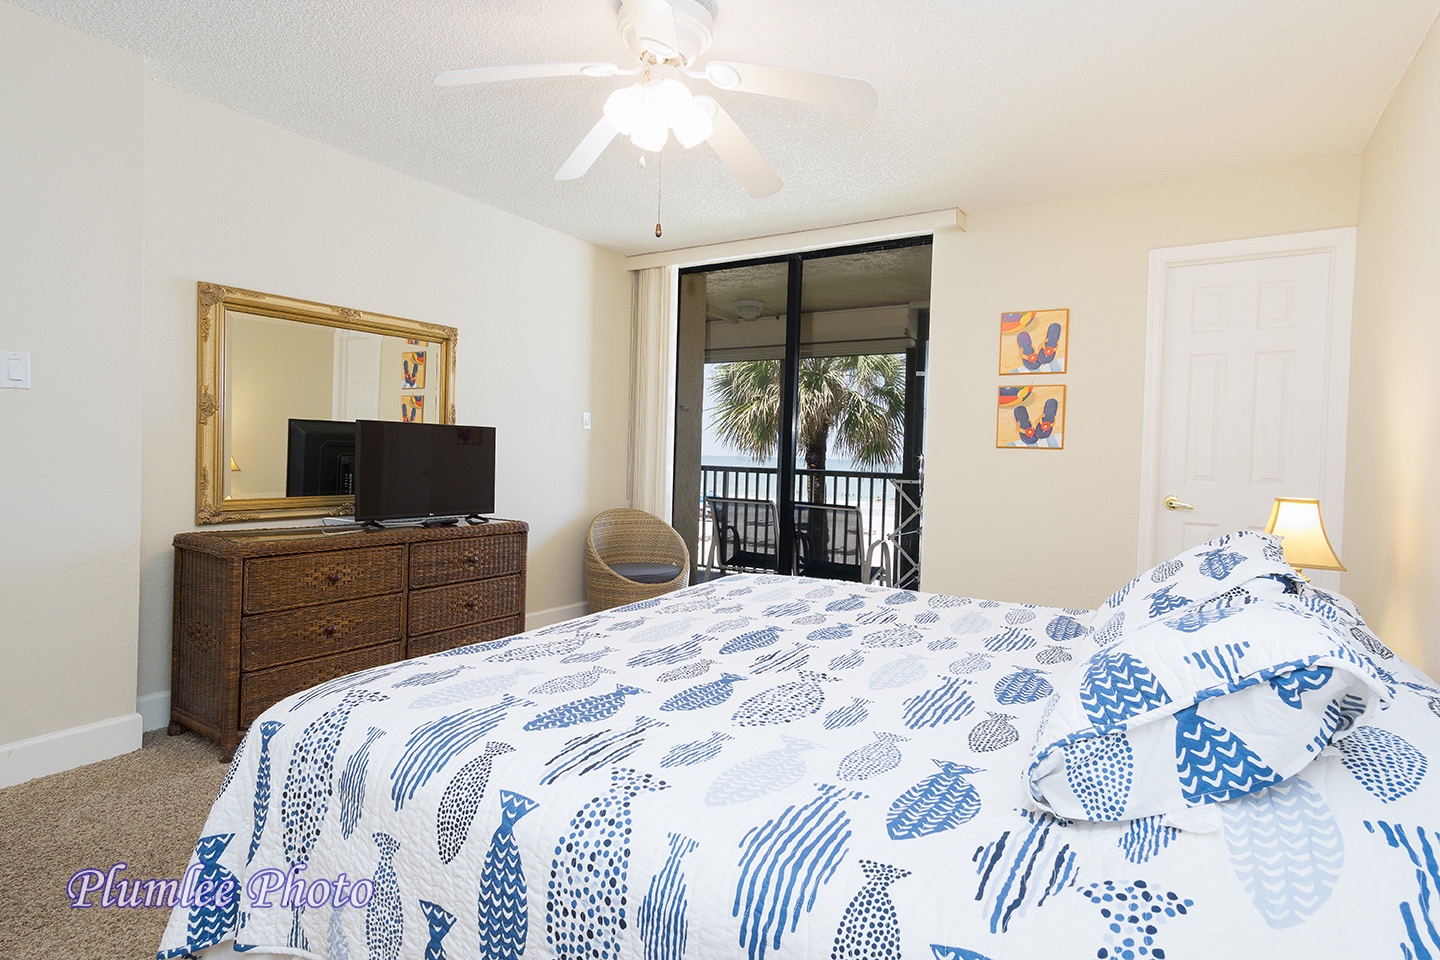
(984, 104)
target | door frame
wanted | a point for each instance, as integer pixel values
(789, 414)
(1339, 243)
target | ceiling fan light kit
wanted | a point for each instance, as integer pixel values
(648, 111)
(667, 38)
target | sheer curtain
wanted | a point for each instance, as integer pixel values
(652, 388)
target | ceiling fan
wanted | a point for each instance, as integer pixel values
(668, 37)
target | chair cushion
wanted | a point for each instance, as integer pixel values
(647, 572)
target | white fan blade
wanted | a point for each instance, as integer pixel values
(734, 148)
(588, 152)
(454, 78)
(654, 22)
(827, 90)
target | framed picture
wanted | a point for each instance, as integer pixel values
(414, 370)
(412, 408)
(1034, 341)
(1031, 416)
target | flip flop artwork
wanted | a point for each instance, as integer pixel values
(1034, 341)
(1031, 416)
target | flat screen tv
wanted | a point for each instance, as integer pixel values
(418, 471)
(320, 458)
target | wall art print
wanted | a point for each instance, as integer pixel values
(412, 407)
(1031, 416)
(1034, 341)
(413, 370)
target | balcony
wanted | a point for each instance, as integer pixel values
(889, 505)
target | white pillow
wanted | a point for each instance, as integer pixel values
(1253, 563)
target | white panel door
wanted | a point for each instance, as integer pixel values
(1249, 407)
(357, 376)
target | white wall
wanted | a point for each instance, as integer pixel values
(543, 323)
(1392, 545)
(118, 194)
(70, 255)
(1061, 527)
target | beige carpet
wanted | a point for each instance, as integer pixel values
(145, 808)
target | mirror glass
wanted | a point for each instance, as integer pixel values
(278, 375)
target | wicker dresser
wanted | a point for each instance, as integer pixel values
(261, 614)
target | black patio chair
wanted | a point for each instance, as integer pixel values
(830, 544)
(746, 534)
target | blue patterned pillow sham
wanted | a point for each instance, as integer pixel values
(1242, 563)
(1212, 703)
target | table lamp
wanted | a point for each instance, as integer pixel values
(1305, 543)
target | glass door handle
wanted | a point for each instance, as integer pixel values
(1175, 503)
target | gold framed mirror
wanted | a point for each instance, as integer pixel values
(268, 362)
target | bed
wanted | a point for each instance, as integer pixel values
(1221, 760)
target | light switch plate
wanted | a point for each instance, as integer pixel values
(14, 370)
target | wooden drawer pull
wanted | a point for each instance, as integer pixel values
(333, 579)
(472, 559)
(329, 630)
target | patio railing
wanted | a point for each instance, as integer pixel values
(889, 503)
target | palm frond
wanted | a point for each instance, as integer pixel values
(860, 400)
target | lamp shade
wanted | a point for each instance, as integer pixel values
(1306, 546)
(648, 111)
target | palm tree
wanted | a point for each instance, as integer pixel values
(860, 399)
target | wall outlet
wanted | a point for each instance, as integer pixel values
(585, 420)
(15, 370)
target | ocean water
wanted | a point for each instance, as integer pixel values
(831, 463)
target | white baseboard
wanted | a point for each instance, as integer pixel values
(535, 619)
(66, 749)
(154, 710)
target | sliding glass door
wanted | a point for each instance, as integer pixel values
(800, 413)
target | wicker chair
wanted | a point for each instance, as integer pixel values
(632, 555)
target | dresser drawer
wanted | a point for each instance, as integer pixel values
(441, 608)
(475, 633)
(268, 639)
(436, 564)
(279, 583)
(264, 688)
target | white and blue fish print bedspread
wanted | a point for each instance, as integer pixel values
(780, 768)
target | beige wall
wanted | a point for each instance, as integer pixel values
(1061, 527)
(543, 322)
(118, 194)
(70, 155)
(298, 360)
(1392, 542)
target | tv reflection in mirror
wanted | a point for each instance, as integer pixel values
(423, 471)
(320, 458)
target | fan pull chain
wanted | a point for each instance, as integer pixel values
(659, 190)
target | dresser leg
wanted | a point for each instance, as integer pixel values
(175, 729)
